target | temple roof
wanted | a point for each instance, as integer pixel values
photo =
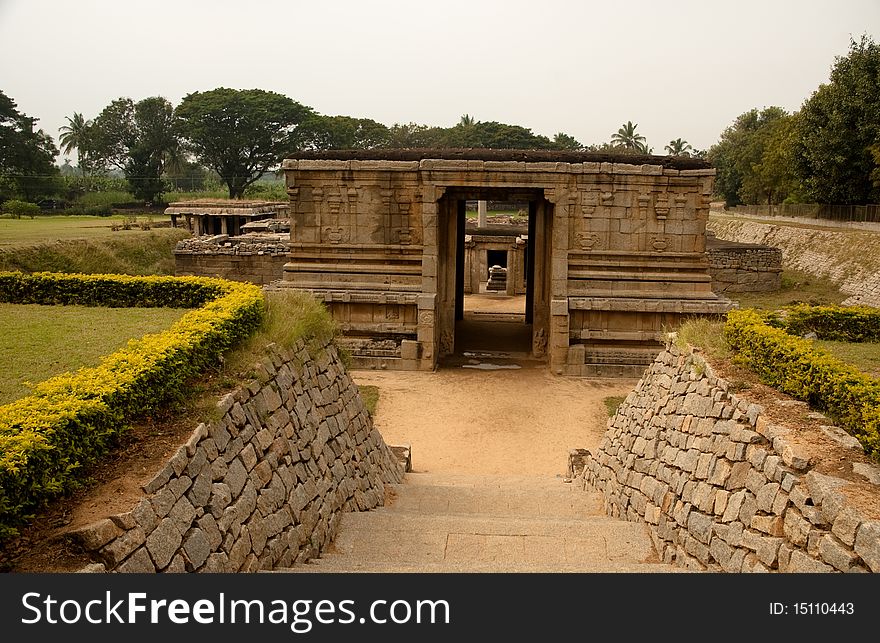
(481, 154)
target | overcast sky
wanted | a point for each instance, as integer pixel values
(678, 68)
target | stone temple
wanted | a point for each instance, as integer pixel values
(614, 254)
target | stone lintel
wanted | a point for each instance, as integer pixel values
(690, 306)
(706, 172)
(393, 166)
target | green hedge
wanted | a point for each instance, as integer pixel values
(114, 291)
(71, 420)
(838, 323)
(794, 366)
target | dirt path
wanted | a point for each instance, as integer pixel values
(521, 421)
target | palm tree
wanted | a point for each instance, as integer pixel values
(679, 147)
(626, 137)
(467, 120)
(77, 135)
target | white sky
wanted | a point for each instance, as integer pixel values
(678, 68)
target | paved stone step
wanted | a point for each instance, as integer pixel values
(432, 494)
(407, 538)
(441, 522)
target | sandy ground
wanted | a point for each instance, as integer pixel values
(521, 421)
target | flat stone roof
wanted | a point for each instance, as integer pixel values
(226, 206)
(481, 154)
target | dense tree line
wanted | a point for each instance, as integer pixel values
(826, 152)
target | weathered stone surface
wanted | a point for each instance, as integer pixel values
(820, 485)
(772, 525)
(768, 550)
(121, 547)
(138, 563)
(837, 555)
(867, 544)
(145, 516)
(197, 547)
(867, 471)
(801, 563)
(96, 535)
(236, 477)
(163, 502)
(163, 543)
(846, 523)
(182, 514)
(766, 495)
(700, 526)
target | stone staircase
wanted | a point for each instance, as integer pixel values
(441, 522)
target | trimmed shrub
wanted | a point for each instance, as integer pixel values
(794, 366)
(838, 323)
(69, 421)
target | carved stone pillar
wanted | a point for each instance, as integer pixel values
(563, 201)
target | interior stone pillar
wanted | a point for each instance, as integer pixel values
(481, 214)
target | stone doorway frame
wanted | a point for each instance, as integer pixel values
(451, 224)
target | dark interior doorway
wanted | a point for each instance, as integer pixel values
(495, 322)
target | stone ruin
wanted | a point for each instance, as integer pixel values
(615, 250)
(613, 254)
(223, 216)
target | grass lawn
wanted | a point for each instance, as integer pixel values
(797, 287)
(38, 342)
(864, 356)
(46, 229)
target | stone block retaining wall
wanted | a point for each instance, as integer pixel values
(849, 258)
(263, 485)
(722, 488)
(745, 268)
(260, 261)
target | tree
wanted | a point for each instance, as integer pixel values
(679, 147)
(743, 173)
(27, 155)
(563, 141)
(139, 139)
(626, 137)
(240, 134)
(467, 120)
(838, 125)
(494, 135)
(319, 132)
(79, 135)
(410, 135)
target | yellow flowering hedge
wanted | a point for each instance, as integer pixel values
(72, 419)
(794, 366)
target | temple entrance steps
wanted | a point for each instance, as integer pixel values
(446, 522)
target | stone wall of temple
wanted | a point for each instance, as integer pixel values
(618, 250)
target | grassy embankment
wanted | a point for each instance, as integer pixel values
(87, 244)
